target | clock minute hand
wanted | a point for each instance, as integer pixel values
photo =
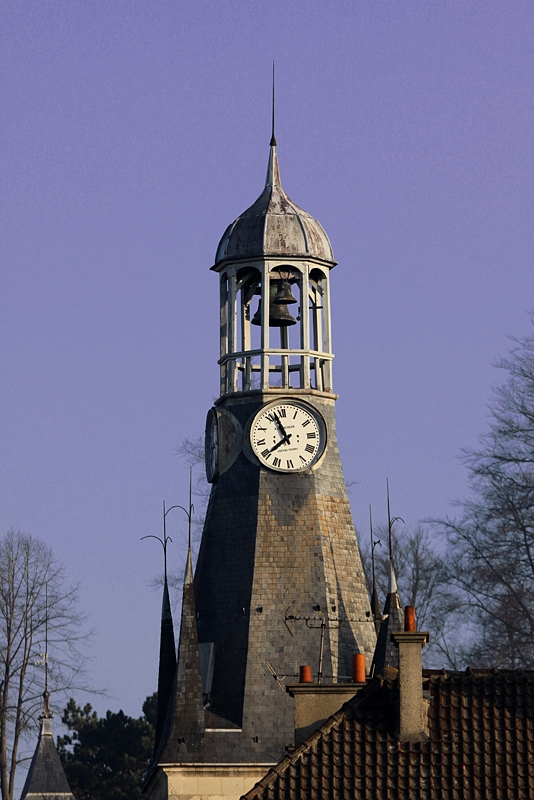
(282, 429)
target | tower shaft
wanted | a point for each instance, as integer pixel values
(279, 583)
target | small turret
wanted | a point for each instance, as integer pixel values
(167, 663)
(386, 653)
(186, 722)
(46, 779)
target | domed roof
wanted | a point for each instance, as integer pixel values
(274, 226)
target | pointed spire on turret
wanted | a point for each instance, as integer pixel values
(273, 171)
(188, 722)
(167, 663)
(386, 653)
(392, 584)
(46, 778)
(167, 647)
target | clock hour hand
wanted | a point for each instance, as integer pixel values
(286, 438)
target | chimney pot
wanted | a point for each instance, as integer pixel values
(409, 619)
(305, 674)
(358, 668)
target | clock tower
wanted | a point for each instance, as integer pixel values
(279, 581)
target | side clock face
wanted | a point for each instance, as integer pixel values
(211, 446)
(287, 436)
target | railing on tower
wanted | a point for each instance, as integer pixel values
(285, 340)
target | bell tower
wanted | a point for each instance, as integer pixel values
(279, 581)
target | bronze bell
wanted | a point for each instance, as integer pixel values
(284, 294)
(279, 316)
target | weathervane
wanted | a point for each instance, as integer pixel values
(166, 539)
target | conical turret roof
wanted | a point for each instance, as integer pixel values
(46, 779)
(274, 226)
(185, 723)
(386, 654)
(167, 663)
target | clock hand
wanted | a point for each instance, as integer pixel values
(286, 438)
(282, 429)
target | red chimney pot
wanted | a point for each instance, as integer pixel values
(305, 674)
(409, 619)
(358, 668)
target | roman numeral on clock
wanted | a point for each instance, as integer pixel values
(306, 422)
(311, 436)
(276, 462)
(289, 464)
(265, 454)
(282, 412)
(310, 448)
(260, 441)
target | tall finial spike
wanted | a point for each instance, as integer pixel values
(390, 527)
(372, 546)
(191, 508)
(389, 524)
(46, 693)
(273, 138)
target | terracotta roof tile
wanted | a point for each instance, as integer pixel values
(480, 746)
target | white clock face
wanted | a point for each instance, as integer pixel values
(287, 437)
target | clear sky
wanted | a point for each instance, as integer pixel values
(132, 134)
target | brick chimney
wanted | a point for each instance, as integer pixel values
(413, 712)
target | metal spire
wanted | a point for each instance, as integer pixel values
(375, 605)
(46, 694)
(390, 527)
(273, 137)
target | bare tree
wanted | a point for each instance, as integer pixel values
(33, 598)
(492, 541)
(423, 580)
(192, 452)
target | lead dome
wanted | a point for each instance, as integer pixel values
(274, 226)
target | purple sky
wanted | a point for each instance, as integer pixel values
(132, 134)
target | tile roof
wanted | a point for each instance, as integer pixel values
(480, 745)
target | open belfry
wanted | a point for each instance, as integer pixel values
(279, 581)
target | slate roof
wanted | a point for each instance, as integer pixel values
(480, 745)
(46, 779)
(274, 225)
(167, 663)
(185, 722)
(386, 653)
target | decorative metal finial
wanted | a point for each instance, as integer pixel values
(166, 539)
(46, 694)
(273, 138)
(390, 525)
(374, 543)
